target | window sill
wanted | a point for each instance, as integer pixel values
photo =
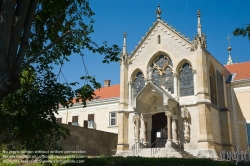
(112, 126)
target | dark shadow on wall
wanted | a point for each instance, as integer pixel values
(93, 142)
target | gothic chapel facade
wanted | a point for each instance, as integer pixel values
(174, 85)
(173, 94)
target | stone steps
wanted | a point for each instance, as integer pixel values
(163, 152)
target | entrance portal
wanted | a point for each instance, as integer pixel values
(159, 130)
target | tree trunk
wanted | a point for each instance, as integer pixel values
(8, 83)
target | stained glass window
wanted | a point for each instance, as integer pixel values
(186, 80)
(138, 83)
(162, 73)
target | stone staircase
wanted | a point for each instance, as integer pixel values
(163, 152)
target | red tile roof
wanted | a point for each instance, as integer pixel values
(108, 92)
(242, 70)
(105, 93)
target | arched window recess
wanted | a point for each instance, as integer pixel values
(186, 80)
(138, 83)
(162, 72)
(159, 39)
(213, 92)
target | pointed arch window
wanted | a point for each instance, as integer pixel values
(162, 73)
(213, 92)
(186, 80)
(138, 83)
(159, 39)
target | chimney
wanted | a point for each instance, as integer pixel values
(107, 83)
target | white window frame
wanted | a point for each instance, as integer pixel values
(111, 118)
(74, 124)
(91, 124)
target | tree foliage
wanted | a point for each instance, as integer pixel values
(242, 31)
(33, 35)
(27, 117)
(42, 32)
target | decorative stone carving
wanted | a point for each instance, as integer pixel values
(186, 131)
(136, 119)
(168, 113)
(125, 59)
(199, 41)
(185, 115)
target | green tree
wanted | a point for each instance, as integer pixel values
(242, 31)
(42, 32)
(27, 117)
(33, 35)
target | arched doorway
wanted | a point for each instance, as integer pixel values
(159, 129)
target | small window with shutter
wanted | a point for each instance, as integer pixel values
(85, 123)
(91, 122)
(75, 120)
(59, 120)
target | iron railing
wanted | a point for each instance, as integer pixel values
(156, 146)
(137, 147)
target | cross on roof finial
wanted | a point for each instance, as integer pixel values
(199, 13)
(229, 60)
(158, 12)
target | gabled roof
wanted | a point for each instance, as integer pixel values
(165, 27)
(242, 70)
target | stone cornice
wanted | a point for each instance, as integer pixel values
(94, 103)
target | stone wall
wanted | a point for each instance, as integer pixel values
(94, 142)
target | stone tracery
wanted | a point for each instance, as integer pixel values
(161, 72)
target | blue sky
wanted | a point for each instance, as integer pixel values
(218, 18)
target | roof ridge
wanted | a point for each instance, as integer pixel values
(238, 63)
(108, 86)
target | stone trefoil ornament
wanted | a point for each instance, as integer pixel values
(161, 70)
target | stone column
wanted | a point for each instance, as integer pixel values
(169, 141)
(195, 81)
(175, 85)
(143, 133)
(129, 94)
(174, 128)
(136, 127)
(122, 131)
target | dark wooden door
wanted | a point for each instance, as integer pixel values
(159, 123)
